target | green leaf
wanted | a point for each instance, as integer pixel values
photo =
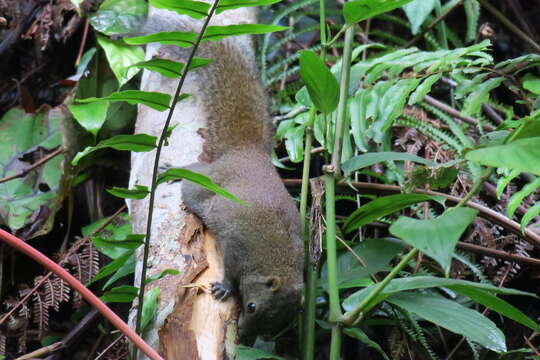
(376, 255)
(382, 206)
(504, 181)
(452, 316)
(216, 33)
(149, 306)
(161, 275)
(112, 266)
(178, 38)
(425, 282)
(235, 4)
(138, 193)
(517, 197)
(121, 57)
(368, 159)
(127, 268)
(522, 155)
(497, 304)
(175, 174)
(136, 143)
(248, 353)
(169, 68)
(480, 94)
(417, 11)
(362, 336)
(23, 136)
(119, 16)
(90, 116)
(359, 10)
(531, 83)
(120, 230)
(423, 89)
(131, 241)
(120, 294)
(195, 9)
(530, 215)
(435, 237)
(391, 105)
(529, 128)
(322, 86)
(294, 143)
(155, 100)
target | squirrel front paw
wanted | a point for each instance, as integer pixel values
(220, 291)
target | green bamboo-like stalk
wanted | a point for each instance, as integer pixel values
(330, 181)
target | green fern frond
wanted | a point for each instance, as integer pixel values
(431, 131)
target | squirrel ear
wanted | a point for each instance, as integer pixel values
(274, 283)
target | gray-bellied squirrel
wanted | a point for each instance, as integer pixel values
(261, 243)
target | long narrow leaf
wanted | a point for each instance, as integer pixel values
(137, 143)
(155, 100)
(452, 316)
(175, 174)
(195, 9)
(368, 159)
(235, 4)
(215, 33)
(359, 10)
(383, 206)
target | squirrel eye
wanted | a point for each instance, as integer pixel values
(251, 307)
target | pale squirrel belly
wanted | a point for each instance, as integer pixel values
(261, 243)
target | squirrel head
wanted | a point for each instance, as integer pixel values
(269, 304)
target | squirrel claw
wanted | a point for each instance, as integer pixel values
(220, 291)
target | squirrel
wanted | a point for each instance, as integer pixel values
(261, 243)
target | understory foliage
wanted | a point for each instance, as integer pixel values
(417, 136)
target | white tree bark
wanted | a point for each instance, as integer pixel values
(189, 324)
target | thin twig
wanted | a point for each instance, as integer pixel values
(109, 347)
(312, 151)
(531, 346)
(497, 253)
(288, 115)
(41, 351)
(38, 163)
(83, 42)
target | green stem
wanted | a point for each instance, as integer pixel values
(156, 167)
(476, 187)
(335, 343)
(350, 317)
(343, 95)
(322, 23)
(330, 184)
(331, 253)
(308, 320)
